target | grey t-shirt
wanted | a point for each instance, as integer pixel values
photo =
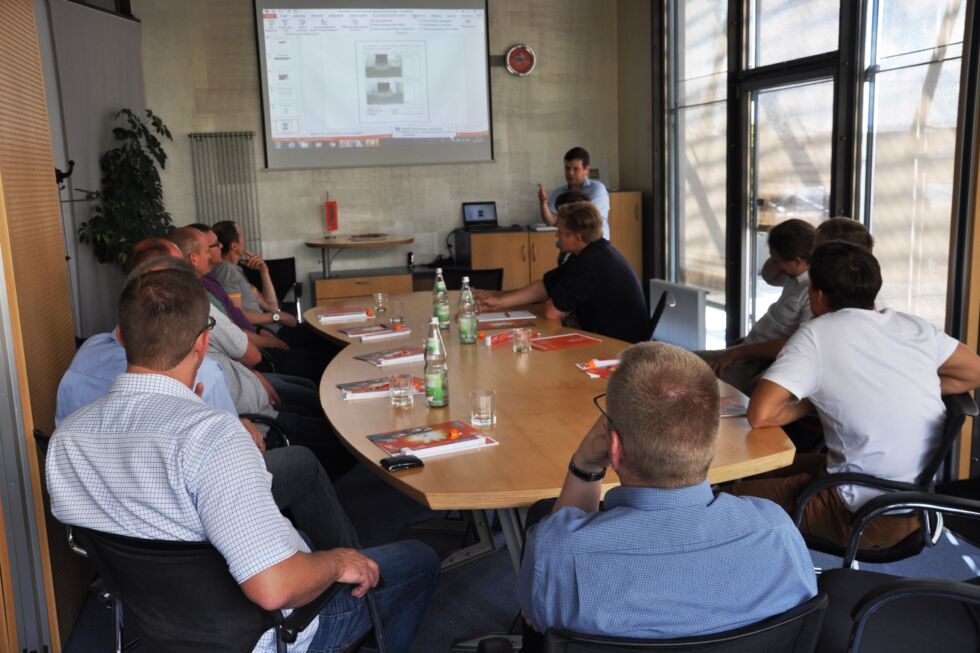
(233, 280)
(228, 344)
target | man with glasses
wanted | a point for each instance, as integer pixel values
(150, 460)
(664, 557)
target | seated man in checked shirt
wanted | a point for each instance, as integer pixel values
(666, 557)
(200, 477)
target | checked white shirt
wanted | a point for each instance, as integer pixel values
(150, 460)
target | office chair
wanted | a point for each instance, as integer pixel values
(873, 612)
(282, 272)
(957, 409)
(275, 436)
(490, 279)
(666, 299)
(181, 597)
(794, 631)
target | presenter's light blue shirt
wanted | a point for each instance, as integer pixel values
(660, 563)
(101, 359)
(597, 194)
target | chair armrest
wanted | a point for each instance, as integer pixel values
(301, 617)
(961, 404)
(884, 594)
(276, 437)
(847, 478)
(901, 501)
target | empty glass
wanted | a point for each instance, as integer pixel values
(522, 340)
(483, 407)
(401, 390)
(396, 315)
(380, 303)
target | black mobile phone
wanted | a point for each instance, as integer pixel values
(398, 463)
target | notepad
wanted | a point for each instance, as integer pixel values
(375, 388)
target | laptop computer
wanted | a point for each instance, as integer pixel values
(479, 216)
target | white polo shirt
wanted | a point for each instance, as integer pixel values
(786, 314)
(872, 376)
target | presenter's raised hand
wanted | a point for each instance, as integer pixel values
(542, 193)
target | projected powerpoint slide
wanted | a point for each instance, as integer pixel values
(393, 86)
(342, 78)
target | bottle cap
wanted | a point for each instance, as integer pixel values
(466, 279)
(438, 270)
(435, 321)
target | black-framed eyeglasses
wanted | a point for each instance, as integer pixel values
(602, 410)
(209, 326)
(218, 244)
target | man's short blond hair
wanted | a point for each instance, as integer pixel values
(663, 402)
(582, 218)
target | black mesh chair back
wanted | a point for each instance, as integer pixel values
(958, 407)
(491, 279)
(794, 631)
(179, 596)
(42, 440)
(282, 272)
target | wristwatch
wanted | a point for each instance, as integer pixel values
(588, 477)
(275, 316)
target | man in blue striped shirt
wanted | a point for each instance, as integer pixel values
(666, 557)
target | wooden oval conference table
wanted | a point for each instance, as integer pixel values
(544, 408)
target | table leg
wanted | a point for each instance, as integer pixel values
(477, 519)
(511, 521)
(325, 263)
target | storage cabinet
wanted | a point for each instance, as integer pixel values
(356, 286)
(626, 227)
(526, 255)
(499, 249)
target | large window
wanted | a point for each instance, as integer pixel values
(911, 91)
(813, 135)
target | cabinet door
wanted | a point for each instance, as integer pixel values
(544, 254)
(626, 227)
(508, 250)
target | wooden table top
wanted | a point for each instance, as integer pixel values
(544, 408)
(347, 242)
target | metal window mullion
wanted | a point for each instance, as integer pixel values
(735, 186)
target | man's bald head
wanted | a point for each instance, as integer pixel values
(194, 247)
(149, 249)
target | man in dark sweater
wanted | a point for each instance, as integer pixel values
(595, 289)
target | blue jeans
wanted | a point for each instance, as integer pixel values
(409, 571)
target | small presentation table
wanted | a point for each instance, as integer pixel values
(353, 242)
(544, 409)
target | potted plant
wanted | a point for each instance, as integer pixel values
(129, 208)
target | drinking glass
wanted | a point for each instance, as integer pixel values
(396, 316)
(521, 340)
(380, 303)
(483, 407)
(401, 390)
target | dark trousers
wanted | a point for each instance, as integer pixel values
(302, 490)
(316, 434)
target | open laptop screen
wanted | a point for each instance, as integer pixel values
(479, 215)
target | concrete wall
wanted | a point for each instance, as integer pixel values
(199, 62)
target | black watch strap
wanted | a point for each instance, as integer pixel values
(588, 477)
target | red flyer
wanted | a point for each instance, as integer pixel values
(563, 341)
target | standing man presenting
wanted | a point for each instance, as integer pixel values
(576, 178)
